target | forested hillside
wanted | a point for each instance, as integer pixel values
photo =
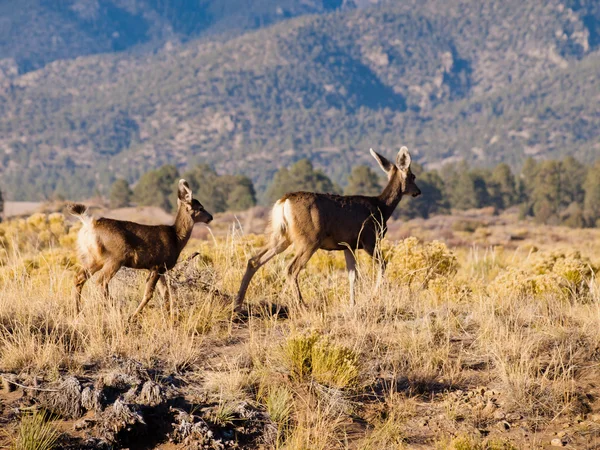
(487, 81)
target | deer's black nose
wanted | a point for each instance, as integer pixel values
(416, 194)
(210, 218)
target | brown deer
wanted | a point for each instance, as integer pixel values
(313, 221)
(105, 245)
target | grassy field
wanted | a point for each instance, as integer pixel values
(486, 338)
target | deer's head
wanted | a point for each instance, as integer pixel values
(400, 171)
(190, 205)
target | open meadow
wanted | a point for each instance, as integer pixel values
(483, 335)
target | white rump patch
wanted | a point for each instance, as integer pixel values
(87, 241)
(281, 217)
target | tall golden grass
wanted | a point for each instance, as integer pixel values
(523, 323)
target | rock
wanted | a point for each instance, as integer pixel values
(92, 399)
(557, 442)
(561, 434)
(512, 417)
(8, 382)
(489, 408)
(499, 415)
(83, 424)
(504, 425)
(63, 398)
(152, 394)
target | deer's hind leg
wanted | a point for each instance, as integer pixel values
(375, 252)
(255, 263)
(107, 272)
(302, 257)
(83, 274)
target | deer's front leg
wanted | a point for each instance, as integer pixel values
(164, 289)
(150, 286)
(351, 268)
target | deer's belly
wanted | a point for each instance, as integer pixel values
(330, 244)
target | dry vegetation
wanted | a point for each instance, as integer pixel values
(487, 340)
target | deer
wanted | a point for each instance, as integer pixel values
(105, 245)
(312, 221)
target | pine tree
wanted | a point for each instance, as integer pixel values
(591, 204)
(203, 181)
(157, 188)
(431, 201)
(503, 187)
(546, 192)
(300, 177)
(363, 181)
(120, 194)
(573, 175)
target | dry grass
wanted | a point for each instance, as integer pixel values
(523, 323)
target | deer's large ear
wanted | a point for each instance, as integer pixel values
(184, 193)
(383, 162)
(403, 159)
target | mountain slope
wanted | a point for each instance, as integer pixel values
(36, 32)
(489, 81)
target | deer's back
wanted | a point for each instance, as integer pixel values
(332, 220)
(135, 245)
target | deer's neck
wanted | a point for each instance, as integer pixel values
(183, 227)
(391, 196)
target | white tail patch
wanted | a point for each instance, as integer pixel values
(87, 241)
(281, 217)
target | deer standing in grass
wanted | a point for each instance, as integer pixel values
(313, 221)
(105, 245)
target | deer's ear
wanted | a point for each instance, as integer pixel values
(403, 159)
(383, 162)
(184, 193)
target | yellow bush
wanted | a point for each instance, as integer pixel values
(568, 276)
(327, 363)
(37, 232)
(413, 262)
(334, 365)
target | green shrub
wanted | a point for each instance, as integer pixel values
(35, 433)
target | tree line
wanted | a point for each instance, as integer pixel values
(552, 191)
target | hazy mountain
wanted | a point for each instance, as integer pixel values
(487, 81)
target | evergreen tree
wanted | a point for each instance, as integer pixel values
(238, 191)
(591, 205)
(431, 201)
(120, 194)
(203, 181)
(300, 177)
(573, 175)
(546, 192)
(503, 187)
(363, 181)
(157, 188)
(220, 193)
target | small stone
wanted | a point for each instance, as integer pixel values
(489, 407)
(561, 434)
(557, 442)
(499, 415)
(504, 425)
(513, 417)
(8, 381)
(83, 424)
